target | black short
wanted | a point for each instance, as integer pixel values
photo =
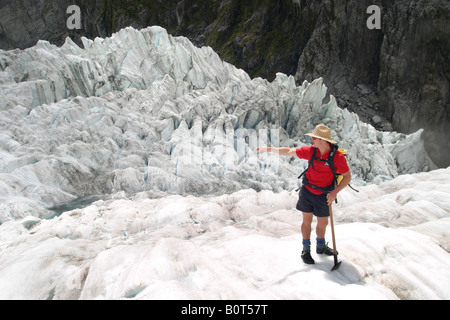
(310, 202)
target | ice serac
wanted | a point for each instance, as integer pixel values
(143, 111)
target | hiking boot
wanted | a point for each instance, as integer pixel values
(325, 250)
(306, 257)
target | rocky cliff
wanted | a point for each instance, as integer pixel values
(415, 71)
(401, 69)
(398, 74)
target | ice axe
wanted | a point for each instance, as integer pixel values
(335, 253)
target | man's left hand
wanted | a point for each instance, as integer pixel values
(331, 197)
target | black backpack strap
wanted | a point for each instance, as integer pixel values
(310, 162)
(325, 190)
(330, 162)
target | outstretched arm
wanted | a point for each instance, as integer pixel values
(281, 151)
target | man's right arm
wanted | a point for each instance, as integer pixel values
(289, 152)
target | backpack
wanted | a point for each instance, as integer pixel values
(337, 177)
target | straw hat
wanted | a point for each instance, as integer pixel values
(322, 132)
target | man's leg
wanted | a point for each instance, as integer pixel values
(321, 227)
(306, 233)
(306, 225)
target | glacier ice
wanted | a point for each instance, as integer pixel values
(393, 240)
(143, 111)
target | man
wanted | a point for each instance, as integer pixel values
(312, 201)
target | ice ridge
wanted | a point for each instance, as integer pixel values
(143, 111)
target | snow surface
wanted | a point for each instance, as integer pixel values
(393, 240)
(162, 136)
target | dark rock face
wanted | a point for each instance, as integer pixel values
(396, 77)
(415, 72)
(346, 54)
(24, 22)
(401, 70)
